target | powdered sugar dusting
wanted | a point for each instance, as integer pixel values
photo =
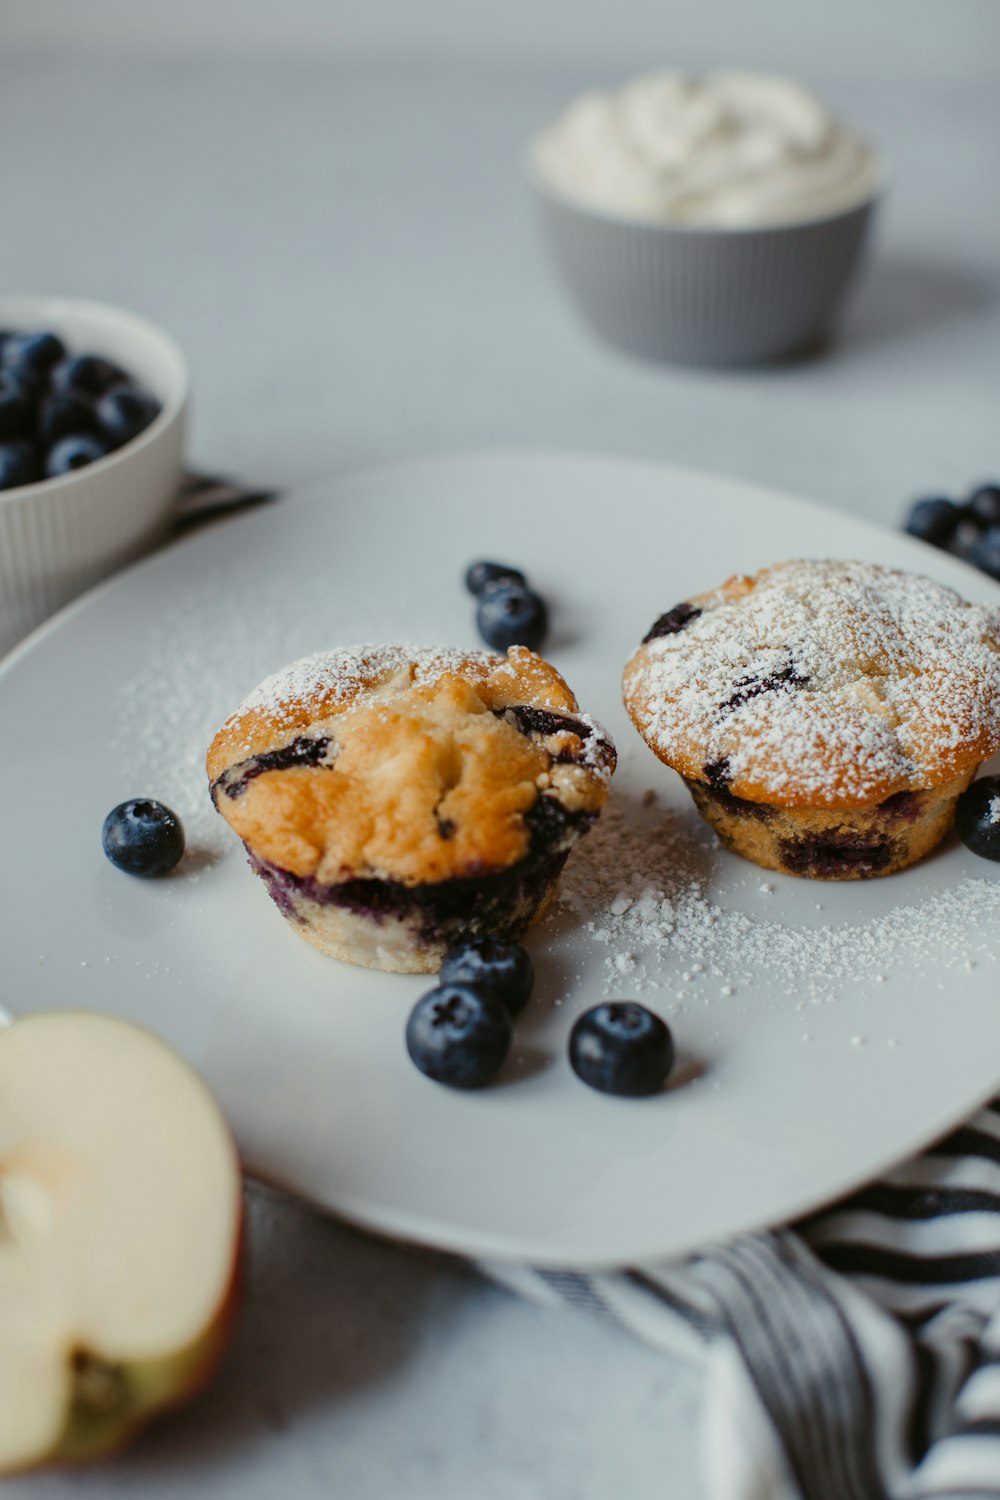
(826, 681)
(204, 652)
(198, 656)
(598, 750)
(338, 676)
(642, 887)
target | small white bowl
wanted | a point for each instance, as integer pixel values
(703, 296)
(60, 536)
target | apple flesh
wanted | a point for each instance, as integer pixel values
(120, 1221)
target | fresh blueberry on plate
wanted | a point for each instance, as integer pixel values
(983, 507)
(497, 965)
(620, 1047)
(17, 464)
(124, 412)
(73, 452)
(142, 837)
(480, 574)
(458, 1035)
(511, 615)
(977, 817)
(86, 374)
(933, 520)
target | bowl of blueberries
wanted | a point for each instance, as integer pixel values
(93, 406)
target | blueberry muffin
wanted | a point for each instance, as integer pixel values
(396, 800)
(824, 715)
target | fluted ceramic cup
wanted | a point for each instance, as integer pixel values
(59, 536)
(703, 296)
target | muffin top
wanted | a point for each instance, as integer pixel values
(820, 684)
(417, 764)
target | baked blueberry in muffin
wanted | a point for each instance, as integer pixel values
(825, 716)
(399, 800)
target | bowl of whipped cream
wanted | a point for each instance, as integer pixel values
(710, 220)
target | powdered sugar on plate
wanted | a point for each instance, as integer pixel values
(648, 888)
(674, 914)
(201, 655)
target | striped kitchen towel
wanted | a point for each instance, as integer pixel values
(203, 498)
(854, 1357)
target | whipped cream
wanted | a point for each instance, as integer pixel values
(731, 149)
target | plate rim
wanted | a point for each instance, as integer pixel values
(308, 492)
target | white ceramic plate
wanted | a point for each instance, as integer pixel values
(817, 1045)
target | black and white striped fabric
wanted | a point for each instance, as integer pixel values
(203, 499)
(855, 1357)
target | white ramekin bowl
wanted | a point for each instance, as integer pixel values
(61, 535)
(715, 297)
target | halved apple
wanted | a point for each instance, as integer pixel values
(120, 1215)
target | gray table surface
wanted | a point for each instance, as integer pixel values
(346, 254)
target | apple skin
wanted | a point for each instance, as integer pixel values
(149, 1389)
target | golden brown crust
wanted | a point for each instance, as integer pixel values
(319, 688)
(822, 684)
(423, 778)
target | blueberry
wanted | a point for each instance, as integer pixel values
(983, 507)
(718, 773)
(73, 452)
(933, 520)
(16, 407)
(977, 817)
(479, 574)
(124, 412)
(62, 414)
(985, 552)
(511, 615)
(18, 464)
(142, 837)
(621, 1048)
(458, 1035)
(88, 374)
(673, 622)
(33, 353)
(750, 686)
(497, 965)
